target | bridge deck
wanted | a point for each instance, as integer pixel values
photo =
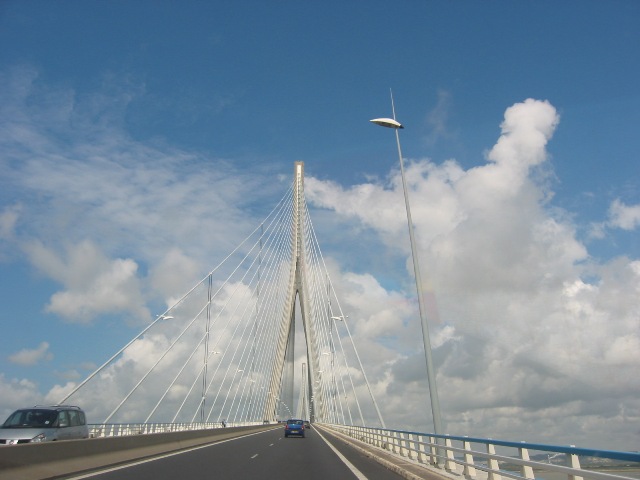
(405, 468)
(257, 452)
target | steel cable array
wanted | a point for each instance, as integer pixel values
(210, 357)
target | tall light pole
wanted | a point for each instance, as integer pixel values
(431, 377)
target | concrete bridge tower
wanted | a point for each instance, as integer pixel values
(298, 288)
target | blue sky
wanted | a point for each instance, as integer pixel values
(137, 133)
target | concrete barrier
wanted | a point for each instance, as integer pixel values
(38, 461)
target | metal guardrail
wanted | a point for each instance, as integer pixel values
(126, 429)
(452, 453)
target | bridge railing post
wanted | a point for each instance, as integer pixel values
(395, 444)
(434, 451)
(574, 462)
(413, 446)
(492, 463)
(422, 455)
(360, 433)
(402, 444)
(378, 438)
(375, 438)
(450, 464)
(387, 441)
(527, 470)
(469, 470)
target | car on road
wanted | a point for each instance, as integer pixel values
(44, 424)
(294, 427)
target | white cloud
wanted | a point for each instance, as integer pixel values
(172, 273)
(526, 129)
(8, 219)
(29, 357)
(532, 339)
(626, 217)
(72, 375)
(93, 283)
(531, 336)
(17, 393)
(102, 214)
(437, 119)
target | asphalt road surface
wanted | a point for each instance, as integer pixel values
(264, 455)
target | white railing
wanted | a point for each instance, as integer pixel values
(124, 429)
(477, 458)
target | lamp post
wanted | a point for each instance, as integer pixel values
(431, 377)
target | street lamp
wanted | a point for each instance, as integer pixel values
(431, 377)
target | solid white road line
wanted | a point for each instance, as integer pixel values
(359, 475)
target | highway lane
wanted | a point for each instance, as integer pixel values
(257, 456)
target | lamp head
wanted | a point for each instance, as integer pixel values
(387, 122)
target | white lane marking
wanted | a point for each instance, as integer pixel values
(359, 475)
(140, 462)
(254, 456)
(271, 444)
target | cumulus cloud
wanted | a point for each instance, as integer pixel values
(17, 393)
(173, 272)
(532, 338)
(93, 283)
(524, 332)
(626, 217)
(29, 357)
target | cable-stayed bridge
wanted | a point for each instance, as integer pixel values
(232, 349)
(262, 338)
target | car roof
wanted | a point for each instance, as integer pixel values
(52, 407)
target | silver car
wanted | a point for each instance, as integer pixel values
(44, 424)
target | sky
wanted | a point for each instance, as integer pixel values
(141, 141)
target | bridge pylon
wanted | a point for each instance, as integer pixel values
(298, 287)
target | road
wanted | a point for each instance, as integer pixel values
(256, 456)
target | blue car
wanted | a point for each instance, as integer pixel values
(294, 427)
